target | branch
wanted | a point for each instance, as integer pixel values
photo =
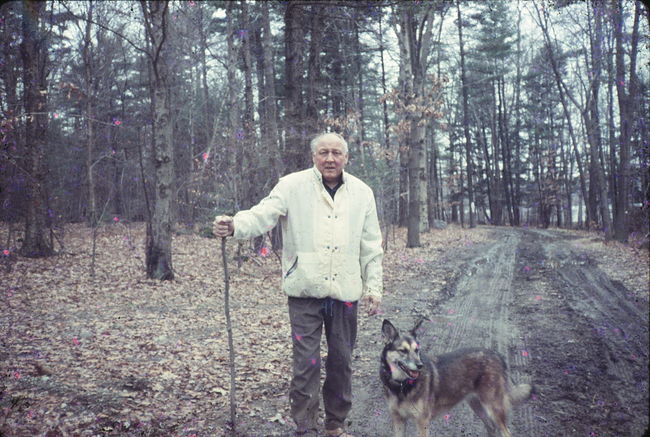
(163, 29)
(131, 43)
(148, 30)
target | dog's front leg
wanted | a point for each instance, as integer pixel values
(423, 426)
(399, 425)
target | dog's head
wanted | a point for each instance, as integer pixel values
(402, 352)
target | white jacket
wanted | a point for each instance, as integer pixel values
(331, 248)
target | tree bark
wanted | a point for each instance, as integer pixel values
(313, 85)
(592, 122)
(250, 195)
(416, 35)
(627, 103)
(405, 89)
(159, 238)
(34, 53)
(270, 116)
(468, 140)
(90, 137)
(383, 88)
(296, 150)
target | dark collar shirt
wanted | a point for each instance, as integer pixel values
(332, 191)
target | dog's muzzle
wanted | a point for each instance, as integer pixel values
(412, 373)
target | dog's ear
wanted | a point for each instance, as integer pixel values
(417, 325)
(389, 331)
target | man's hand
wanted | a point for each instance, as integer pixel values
(372, 303)
(223, 226)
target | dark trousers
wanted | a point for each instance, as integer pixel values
(308, 315)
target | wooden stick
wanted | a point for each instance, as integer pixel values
(231, 350)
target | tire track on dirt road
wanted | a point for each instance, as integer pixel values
(479, 314)
(476, 313)
(588, 338)
(559, 321)
(616, 326)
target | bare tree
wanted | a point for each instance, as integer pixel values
(294, 46)
(34, 53)
(87, 58)
(159, 229)
(468, 140)
(542, 21)
(591, 116)
(415, 37)
(627, 104)
(270, 117)
(247, 145)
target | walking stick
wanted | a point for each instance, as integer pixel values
(231, 351)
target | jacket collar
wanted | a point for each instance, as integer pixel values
(319, 176)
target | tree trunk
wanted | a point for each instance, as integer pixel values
(360, 99)
(405, 81)
(203, 48)
(468, 141)
(416, 34)
(296, 154)
(451, 169)
(506, 152)
(235, 134)
(516, 186)
(383, 87)
(416, 156)
(90, 137)
(34, 53)
(542, 21)
(249, 195)
(403, 208)
(271, 117)
(159, 240)
(12, 201)
(313, 85)
(489, 182)
(592, 122)
(627, 103)
(433, 205)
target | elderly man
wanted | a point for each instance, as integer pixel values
(331, 259)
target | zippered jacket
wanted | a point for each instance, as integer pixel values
(331, 247)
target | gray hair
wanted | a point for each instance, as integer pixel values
(328, 135)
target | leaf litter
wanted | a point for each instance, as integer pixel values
(120, 354)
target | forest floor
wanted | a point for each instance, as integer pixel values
(121, 355)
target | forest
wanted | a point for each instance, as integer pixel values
(506, 143)
(516, 113)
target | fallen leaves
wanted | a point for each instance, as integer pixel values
(125, 355)
(158, 347)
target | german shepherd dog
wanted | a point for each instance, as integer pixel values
(419, 388)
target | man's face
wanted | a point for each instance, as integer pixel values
(330, 159)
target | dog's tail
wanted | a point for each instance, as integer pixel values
(520, 393)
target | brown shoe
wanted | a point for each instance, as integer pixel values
(338, 432)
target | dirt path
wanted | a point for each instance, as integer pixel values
(122, 356)
(561, 323)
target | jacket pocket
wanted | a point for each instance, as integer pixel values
(292, 268)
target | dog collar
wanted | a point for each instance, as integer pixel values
(402, 387)
(397, 387)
